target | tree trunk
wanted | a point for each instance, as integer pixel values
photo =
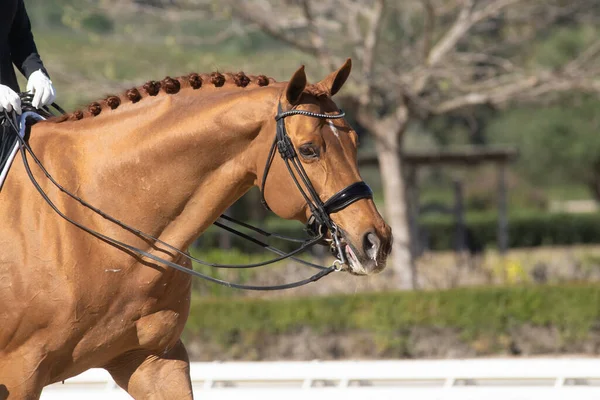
(396, 208)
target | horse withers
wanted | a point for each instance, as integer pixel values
(167, 158)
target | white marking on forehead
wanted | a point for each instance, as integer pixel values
(334, 129)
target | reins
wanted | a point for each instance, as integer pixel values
(318, 208)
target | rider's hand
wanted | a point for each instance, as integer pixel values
(41, 87)
(9, 100)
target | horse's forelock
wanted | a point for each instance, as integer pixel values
(317, 90)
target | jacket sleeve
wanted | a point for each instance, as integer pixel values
(22, 46)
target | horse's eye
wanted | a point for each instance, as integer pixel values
(309, 151)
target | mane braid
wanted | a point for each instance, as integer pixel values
(113, 102)
(168, 85)
(217, 79)
(95, 108)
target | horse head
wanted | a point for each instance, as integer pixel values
(316, 179)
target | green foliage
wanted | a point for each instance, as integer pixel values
(210, 238)
(558, 144)
(97, 23)
(230, 256)
(525, 229)
(564, 44)
(90, 52)
(573, 310)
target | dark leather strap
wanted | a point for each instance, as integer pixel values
(347, 196)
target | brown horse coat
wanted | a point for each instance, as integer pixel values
(167, 158)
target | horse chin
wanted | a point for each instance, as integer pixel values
(362, 266)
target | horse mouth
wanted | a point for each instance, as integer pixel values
(368, 259)
(361, 265)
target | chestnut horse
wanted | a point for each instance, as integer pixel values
(167, 158)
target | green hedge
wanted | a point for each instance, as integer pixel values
(210, 238)
(524, 229)
(573, 310)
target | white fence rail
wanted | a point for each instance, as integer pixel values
(489, 379)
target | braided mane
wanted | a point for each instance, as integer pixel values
(168, 85)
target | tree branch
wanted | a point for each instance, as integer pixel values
(492, 10)
(389, 129)
(263, 19)
(316, 36)
(504, 64)
(368, 50)
(428, 27)
(584, 58)
(467, 17)
(461, 26)
(526, 88)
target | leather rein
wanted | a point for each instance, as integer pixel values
(319, 222)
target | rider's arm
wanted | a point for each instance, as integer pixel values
(22, 46)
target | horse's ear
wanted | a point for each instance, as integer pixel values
(296, 86)
(334, 81)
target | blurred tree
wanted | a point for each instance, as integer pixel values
(416, 59)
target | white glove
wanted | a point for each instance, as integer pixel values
(9, 100)
(41, 87)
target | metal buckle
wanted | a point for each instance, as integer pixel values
(338, 265)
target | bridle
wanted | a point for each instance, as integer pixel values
(318, 224)
(320, 220)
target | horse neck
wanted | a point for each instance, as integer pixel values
(174, 173)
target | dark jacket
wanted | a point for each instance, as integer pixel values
(16, 44)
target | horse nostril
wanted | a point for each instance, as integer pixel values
(371, 245)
